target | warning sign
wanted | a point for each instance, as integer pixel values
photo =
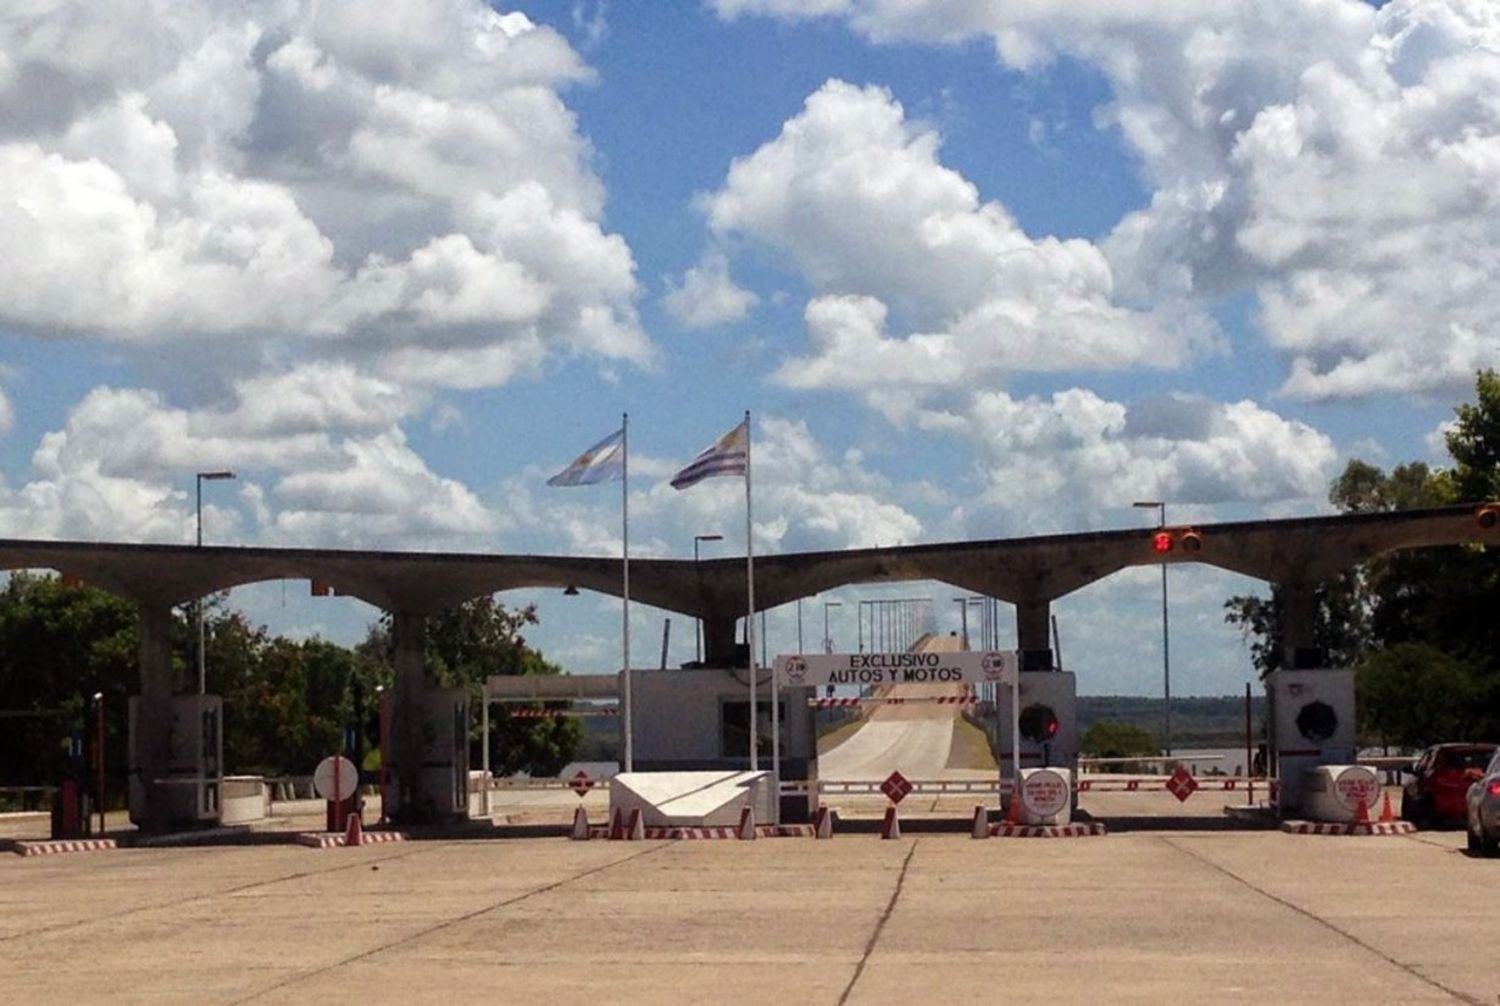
(895, 787)
(1181, 784)
(1045, 793)
(581, 783)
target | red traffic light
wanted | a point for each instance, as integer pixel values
(1191, 541)
(1161, 542)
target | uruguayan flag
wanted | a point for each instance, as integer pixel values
(603, 462)
(729, 455)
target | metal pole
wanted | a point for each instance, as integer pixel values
(198, 605)
(99, 754)
(1166, 645)
(484, 750)
(1249, 754)
(799, 625)
(963, 620)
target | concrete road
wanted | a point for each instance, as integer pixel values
(1179, 917)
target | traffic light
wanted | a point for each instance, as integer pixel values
(1185, 538)
(1039, 724)
(1487, 516)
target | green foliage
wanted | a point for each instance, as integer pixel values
(1414, 694)
(286, 702)
(59, 645)
(1118, 740)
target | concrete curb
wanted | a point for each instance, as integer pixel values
(1048, 830)
(334, 840)
(727, 832)
(1348, 828)
(52, 847)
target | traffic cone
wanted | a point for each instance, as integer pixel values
(580, 825)
(1013, 812)
(637, 826)
(747, 824)
(355, 834)
(617, 826)
(823, 823)
(981, 823)
(1361, 812)
(1386, 814)
(891, 826)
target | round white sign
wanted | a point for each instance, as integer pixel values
(348, 778)
(1045, 793)
(1357, 783)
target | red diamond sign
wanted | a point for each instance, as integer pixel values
(896, 787)
(581, 783)
(1182, 784)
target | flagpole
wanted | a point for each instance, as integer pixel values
(625, 608)
(750, 609)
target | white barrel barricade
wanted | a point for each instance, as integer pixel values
(1333, 792)
(1046, 796)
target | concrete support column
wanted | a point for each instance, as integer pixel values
(1033, 633)
(409, 634)
(1297, 612)
(151, 738)
(719, 640)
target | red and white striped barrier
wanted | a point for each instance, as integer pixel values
(1210, 784)
(333, 840)
(942, 700)
(1048, 830)
(1348, 828)
(542, 714)
(55, 846)
(730, 832)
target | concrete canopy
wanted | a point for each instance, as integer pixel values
(1019, 570)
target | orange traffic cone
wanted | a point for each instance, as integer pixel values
(580, 825)
(637, 827)
(1386, 815)
(1361, 812)
(1013, 812)
(746, 831)
(617, 826)
(355, 834)
(823, 823)
(981, 823)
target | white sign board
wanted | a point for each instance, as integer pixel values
(965, 667)
(336, 769)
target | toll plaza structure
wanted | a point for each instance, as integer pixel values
(1295, 555)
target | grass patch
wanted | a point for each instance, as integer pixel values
(971, 748)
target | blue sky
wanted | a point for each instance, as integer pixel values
(977, 270)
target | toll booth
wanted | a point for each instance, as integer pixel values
(1312, 724)
(442, 752)
(1049, 721)
(195, 762)
(699, 719)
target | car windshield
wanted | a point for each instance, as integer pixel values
(1467, 758)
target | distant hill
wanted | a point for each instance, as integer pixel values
(1196, 722)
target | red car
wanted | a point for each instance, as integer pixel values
(1441, 780)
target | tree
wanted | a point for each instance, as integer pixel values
(1106, 739)
(1414, 694)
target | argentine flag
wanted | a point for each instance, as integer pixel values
(603, 462)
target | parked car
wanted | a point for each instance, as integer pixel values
(1483, 817)
(1440, 783)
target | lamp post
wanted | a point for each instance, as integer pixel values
(200, 478)
(828, 639)
(698, 622)
(1166, 648)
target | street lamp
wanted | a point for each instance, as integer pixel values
(698, 622)
(202, 663)
(1166, 649)
(828, 639)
